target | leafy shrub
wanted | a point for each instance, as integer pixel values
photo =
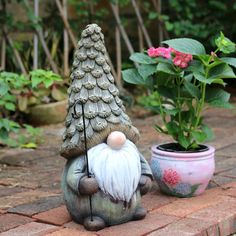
(18, 93)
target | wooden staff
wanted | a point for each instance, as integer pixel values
(87, 162)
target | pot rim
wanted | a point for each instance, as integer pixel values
(183, 154)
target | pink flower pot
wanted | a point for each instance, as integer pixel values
(183, 174)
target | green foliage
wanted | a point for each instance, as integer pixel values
(17, 94)
(224, 44)
(179, 94)
(186, 45)
(47, 78)
(198, 19)
(28, 138)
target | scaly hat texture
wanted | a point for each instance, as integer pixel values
(92, 85)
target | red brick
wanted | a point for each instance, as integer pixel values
(23, 197)
(71, 232)
(155, 200)
(230, 185)
(222, 214)
(186, 206)
(31, 229)
(231, 192)
(2, 211)
(43, 204)
(74, 225)
(136, 228)
(16, 182)
(9, 221)
(6, 190)
(228, 151)
(187, 227)
(56, 216)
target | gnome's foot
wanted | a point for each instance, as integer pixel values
(94, 225)
(139, 214)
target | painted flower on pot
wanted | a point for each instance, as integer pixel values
(183, 188)
(171, 177)
(171, 184)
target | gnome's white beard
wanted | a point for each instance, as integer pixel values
(117, 171)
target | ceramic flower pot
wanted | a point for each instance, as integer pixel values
(183, 174)
(45, 114)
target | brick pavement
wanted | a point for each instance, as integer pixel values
(31, 201)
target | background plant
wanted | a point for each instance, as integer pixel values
(17, 94)
(183, 91)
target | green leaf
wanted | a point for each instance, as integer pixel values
(221, 71)
(200, 77)
(132, 76)
(36, 80)
(154, 108)
(208, 132)
(167, 92)
(166, 68)
(10, 106)
(146, 70)
(186, 45)
(195, 66)
(192, 89)
(221, 104)
(216, 94)
(204, 58)
(172, 128)
(159, 129)
(29, 145)
(224, 44)
(229, 60)
(199, 136)
(3, 134)
(48, 82)
(183, 141)
(193, 189)
(142, 58)
(172, 111)
(4, 88)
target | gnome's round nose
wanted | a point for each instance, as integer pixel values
(116, 140)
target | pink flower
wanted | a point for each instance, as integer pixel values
(171, 177)
(160, 52)
(181, 59)
(151, 52)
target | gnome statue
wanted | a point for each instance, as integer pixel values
(105, 174)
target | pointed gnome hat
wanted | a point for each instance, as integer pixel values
(92, 85)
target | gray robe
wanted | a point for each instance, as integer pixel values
(102, 205)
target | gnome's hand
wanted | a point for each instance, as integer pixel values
(88, 186)
(145, 184)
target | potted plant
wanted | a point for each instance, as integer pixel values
(184, 79)
(45, 101)
(39, 97)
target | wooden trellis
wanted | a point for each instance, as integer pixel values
(70, 39)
